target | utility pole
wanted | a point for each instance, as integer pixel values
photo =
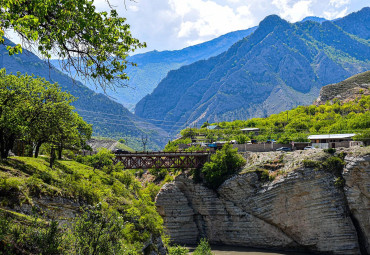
(144, 140)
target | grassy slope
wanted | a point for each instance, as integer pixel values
(29, 183)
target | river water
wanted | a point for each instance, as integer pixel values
(231, 250)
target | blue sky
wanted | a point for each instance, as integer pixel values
(175, 24)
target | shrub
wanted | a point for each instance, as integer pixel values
(160, 174)
(203, 248)
(333, 165)
(178, 250)
(96, 233)
(311, 163)
(223, 164)
(339, 182)
(330, 150)
(264, 175)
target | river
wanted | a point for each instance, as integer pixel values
(232, 250)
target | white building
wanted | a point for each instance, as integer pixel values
(331, 140)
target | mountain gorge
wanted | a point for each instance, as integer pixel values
(279, 66)
(109, 119)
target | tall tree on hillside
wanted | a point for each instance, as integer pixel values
(35, 111)
(12, 121)
(93, 43)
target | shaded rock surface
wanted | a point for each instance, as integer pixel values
(302, 210)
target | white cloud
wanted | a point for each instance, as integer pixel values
(175, 24)
(204, 18)
(335, 14)
(339, 3)
(293, 11)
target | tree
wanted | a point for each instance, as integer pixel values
(12, 121)
(95, 44)
(223, 164)
(35, 111)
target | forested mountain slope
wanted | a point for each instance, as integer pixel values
(109, 118)
(153, 66)
(279, 66)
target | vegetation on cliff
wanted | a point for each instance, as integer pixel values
(223, 164)
(298, 123)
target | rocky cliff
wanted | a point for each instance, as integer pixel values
(302, 209)
(347, 90)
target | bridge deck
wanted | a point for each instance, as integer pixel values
(145, 160)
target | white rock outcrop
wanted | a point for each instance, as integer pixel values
(305, 210)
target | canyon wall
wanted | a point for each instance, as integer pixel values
(303, 209)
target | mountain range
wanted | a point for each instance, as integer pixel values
(279, 66)
(153, 66)
(109, 118)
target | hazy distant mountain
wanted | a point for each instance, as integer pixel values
(279, 66)
(313, 18)
(109, 118)
(153, 66)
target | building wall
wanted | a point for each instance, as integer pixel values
(260, 147)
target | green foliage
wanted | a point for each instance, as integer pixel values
(336, 117)
(98, 232)
(159, 173)
(311, 163)
(35, 237)
(264, 175)
(178, 250)
(54, 27)
(121, 140)
(124, 219)
(333, 165)
(203, 248)
(339, 182)
(34, 112)
(172, 146)
(241, 139)
(330, 150)
(223, 164)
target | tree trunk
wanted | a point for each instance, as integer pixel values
(60, 150)
(37, 150)
(52, 156)
(6, 144)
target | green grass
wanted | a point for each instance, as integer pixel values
(24, 180)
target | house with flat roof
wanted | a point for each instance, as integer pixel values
(251, 130)
(331, 140)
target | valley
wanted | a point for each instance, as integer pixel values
(256, 142)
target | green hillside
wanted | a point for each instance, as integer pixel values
(297, 124)
(107, 211)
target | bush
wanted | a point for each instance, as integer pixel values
(159, 174)
(333, 165)
(223, 164)
(339, 182)
(203, 248)
(98, 232)
(330, 150)
(311, 163)
(178, 250)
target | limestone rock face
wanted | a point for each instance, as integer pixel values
(304, 210)
(357, 190)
